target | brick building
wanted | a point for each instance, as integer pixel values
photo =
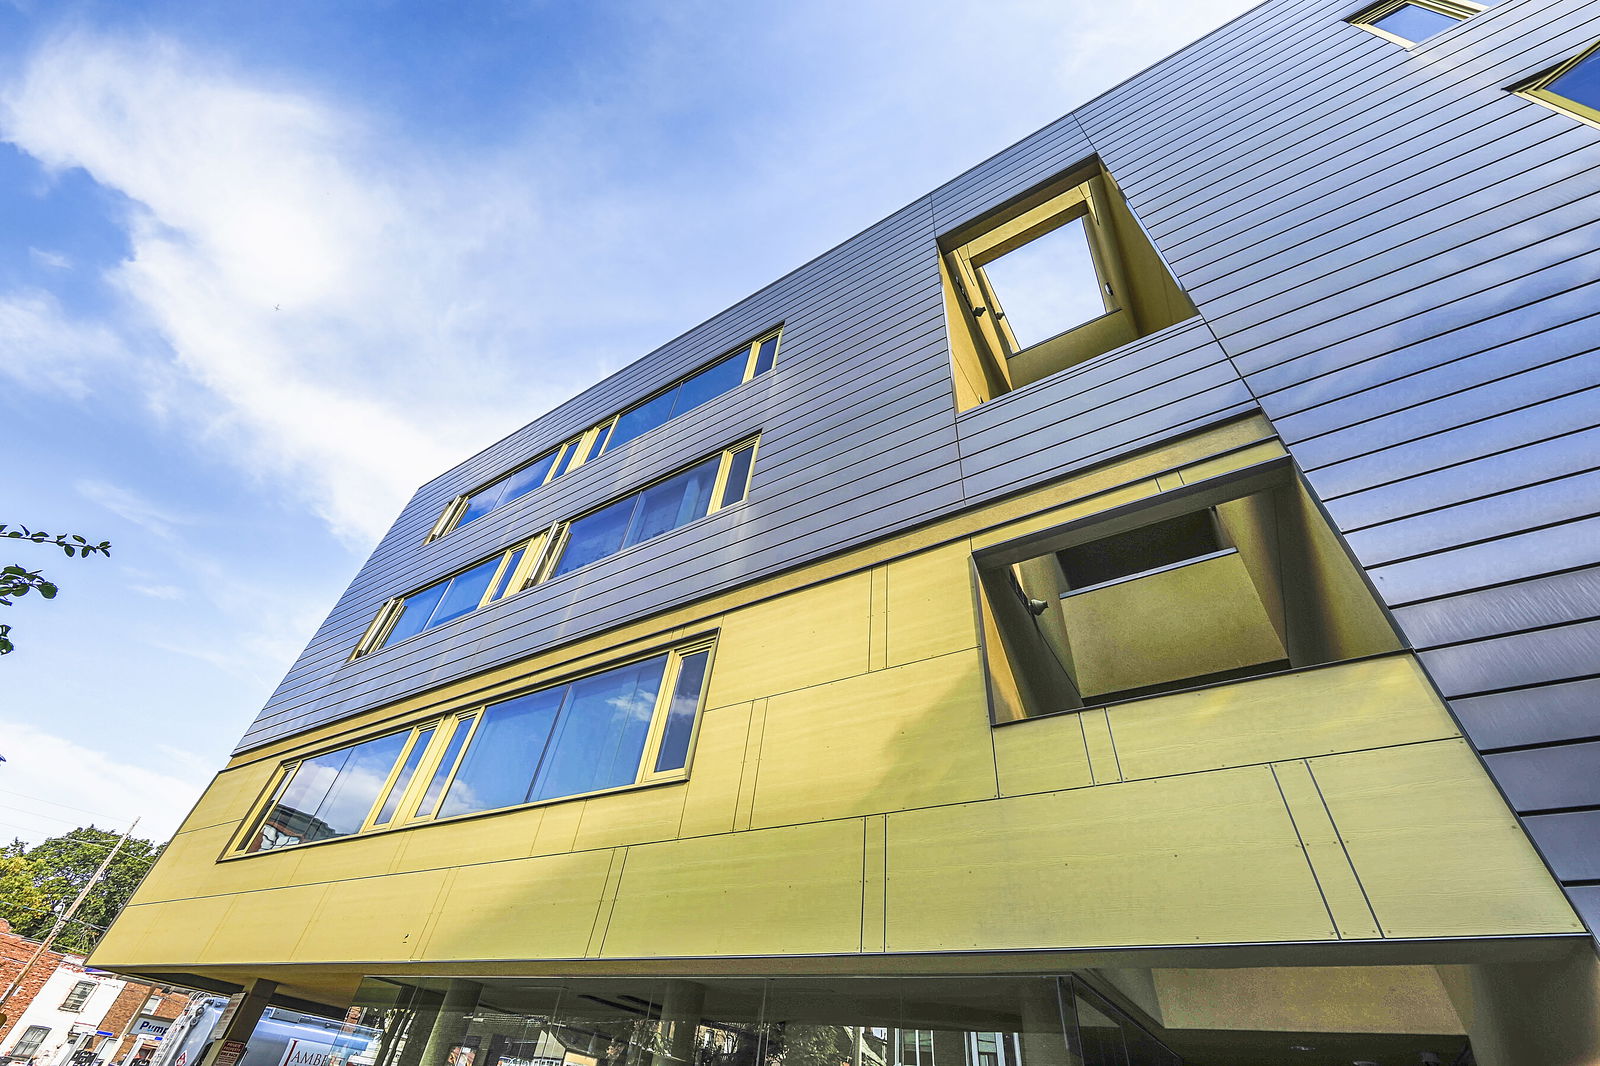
(61, 1009)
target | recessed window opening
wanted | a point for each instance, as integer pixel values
(1572, 87)
(1060, 276)
(1153, 547)
(626, 725)
(1197, 586)
(1047, 286)
(1410, 22)
(727, 373)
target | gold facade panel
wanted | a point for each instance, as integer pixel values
(1042, 755)
(795, 890)
(229, 793)
(524, 909)
(712, 792)
(358, 857)
(1346, 707)
(929, 604)
(1341, 889)
(491, 838)
(634, 817)
(893, 739)
(264, 926)
(1205, 858)
(1436, 849)
(1148, 631)
(175, 931)
(808, 637)
(371, 918)
(189, 867)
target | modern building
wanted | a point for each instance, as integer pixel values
(1136, 603)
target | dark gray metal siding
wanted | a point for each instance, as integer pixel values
(1394, 257)
(1398, 255)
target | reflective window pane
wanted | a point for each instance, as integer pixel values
(329, 795)
(1581, 84)
(641, 419)
(738, 476)
(765, 356)
(481, 503)
(447, 762)
(414, 614)
(711, 382)
(602, 731)
(674, 502)
(596, 536)
(524, 481)
(564, 457)
(403, 781)
(674, 750)
(510, 571)
(505, 754)
(1412, 23)
(464, 593)
(1048, 285)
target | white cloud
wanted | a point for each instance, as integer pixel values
(130, 505)
(52, 260)
(52, 784)
(320, 287)
(159, 592)
(42, 348)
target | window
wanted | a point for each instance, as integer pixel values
(627, 725)
(726, 373)
(1059, 277)
(703, 489)
(1410, 22)
(29, 1042)
(731, 370)
(1203, 584)
(78, 996)
(450, 598)
(1572, 87)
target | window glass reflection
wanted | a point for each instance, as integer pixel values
(329, 795)
(602, 731)
(1411, 22)
(504, 755)
(1581, 84)
(675, 736)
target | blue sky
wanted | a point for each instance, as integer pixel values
(265, 268)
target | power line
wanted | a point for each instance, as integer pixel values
(55, 803)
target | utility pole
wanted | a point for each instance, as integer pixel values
(66, 915)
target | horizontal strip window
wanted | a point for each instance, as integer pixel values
(703, 489)
(1409, 22)
(628, 725)
(1572, 87)
(450, 598)
(728, 372)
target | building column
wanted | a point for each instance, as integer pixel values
(681, 1006)
(449, 1025)
(242, 1015)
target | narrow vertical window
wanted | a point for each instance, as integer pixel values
(682, 711)
(402, 781)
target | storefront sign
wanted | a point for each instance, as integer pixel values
(232, 1051)
(151, 1026)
